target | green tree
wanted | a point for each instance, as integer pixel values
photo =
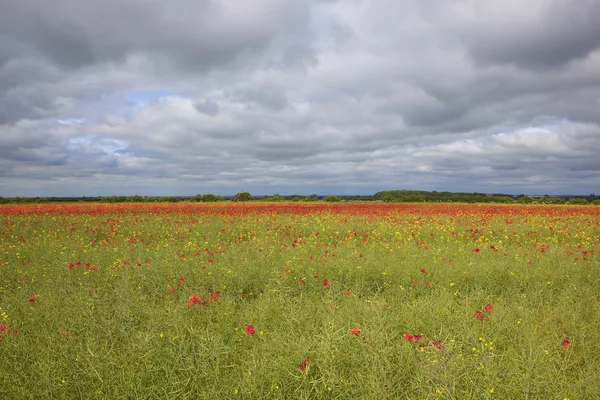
(331, 199)
(242, 196)
(388, 198)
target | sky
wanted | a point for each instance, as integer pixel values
(181, 97)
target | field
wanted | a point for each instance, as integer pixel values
(256, 300)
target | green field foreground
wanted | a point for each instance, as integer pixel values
(309, 301)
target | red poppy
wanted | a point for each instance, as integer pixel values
(195, 299)
(171, 289)
(326, 282)
(33, 299)
(304, 364)
(479, 315)
(70, 266)
(250, 330)
(488, 308)
(214, 295)
(427, 284)
(413, 281)
(423, 270)
(181, 280)
(348, 292)
(477, 250)
(355, 331)
(301, 280)
(565, 343)
(438, 344)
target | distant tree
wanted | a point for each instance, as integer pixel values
(276, 198)
(578, 201)
(388, 198)
(596, 202)
(525, 200)
(242, 196)
(331, 199)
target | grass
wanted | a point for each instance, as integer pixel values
(110, 318)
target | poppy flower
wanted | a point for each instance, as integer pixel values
(214, 295)
(304, 364)
(33, 299)
(348, 292)
(479, 315)
(565, 343)
(438, 344)
(181, 280)
(355, 331)
(413, 281)
(250, 330)
(195, 299)
(171, 289)
(427, 284)
(326, 282)
(423, 270)
(488, 308)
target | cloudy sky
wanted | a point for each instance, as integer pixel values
(154, 97)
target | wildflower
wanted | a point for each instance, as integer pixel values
(171, 289)
(181, 280)
(427, 284)
(250, 330)
(70, 266)
(438, 344)
(195, 299)
(304, 364)
(91, 292)
(477, 250)
(413, 281)
(214, 295)
(423, 270)
(302, 281)
(326, 282)
(565, 343)
(355, 331)
(479, 315)
(33, 299)
(488, 308)
(348, 292)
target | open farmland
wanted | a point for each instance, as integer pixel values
(299, 301)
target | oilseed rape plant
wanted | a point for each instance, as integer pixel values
(291, 300)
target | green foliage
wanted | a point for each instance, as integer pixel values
(578, 201)
(331, 199)
(388, 198)
(525, 200)
(275, 198)
(71, 340)
(207, 198)
(242, 196)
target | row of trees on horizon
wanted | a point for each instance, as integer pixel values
(388, 196)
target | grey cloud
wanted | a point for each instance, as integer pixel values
(208, 107)
(297, 97)
(561, 32)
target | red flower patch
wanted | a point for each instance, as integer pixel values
(250, 330)
(488, 308)
(479, 315)
(565, 343)
(195, 299)
(355, 331)
(304, 364)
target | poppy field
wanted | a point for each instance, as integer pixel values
(292, 300)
